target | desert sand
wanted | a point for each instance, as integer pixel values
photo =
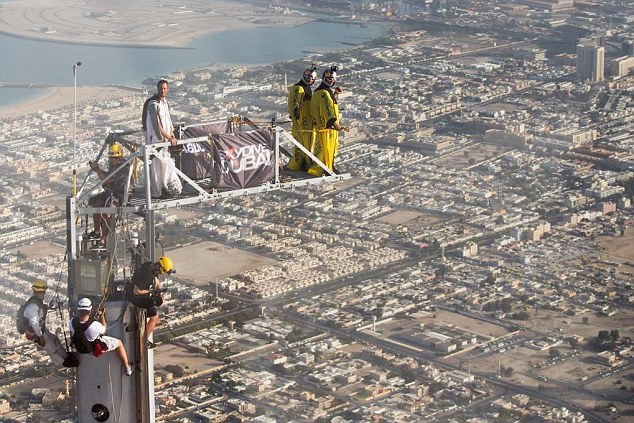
(619, 247)
(219, 261)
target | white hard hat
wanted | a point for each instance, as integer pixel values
(84, 304)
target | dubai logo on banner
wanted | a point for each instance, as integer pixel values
(243, 160)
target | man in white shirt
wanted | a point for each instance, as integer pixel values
(159, 128)
(95, 331)
(36, 331)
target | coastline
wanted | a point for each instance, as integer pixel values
(141, 24)
(5, 111)
(221, 16)
(58, 97)
(98, 43)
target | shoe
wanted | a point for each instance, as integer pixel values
(93, 236)
(151, 345)
(129, 370)
(99, 246)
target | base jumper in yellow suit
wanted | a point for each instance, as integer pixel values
(325, 112)
(299, 97)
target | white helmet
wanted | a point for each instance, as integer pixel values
(329, 77)
(310, 75)
(84, 304)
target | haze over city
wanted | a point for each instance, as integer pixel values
(475, 264)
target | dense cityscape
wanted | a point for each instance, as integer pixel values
(476, 267)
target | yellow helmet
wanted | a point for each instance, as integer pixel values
(166, 265)
(39, 286)
(115, 151)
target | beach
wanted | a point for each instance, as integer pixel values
(58, 97)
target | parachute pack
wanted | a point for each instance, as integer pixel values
(155, 97)
(79, 340)
(21, 323)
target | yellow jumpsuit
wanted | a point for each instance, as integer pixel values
(325, 112)
(299, 97)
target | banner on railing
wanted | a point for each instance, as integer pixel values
(243, 159)
(195, 157)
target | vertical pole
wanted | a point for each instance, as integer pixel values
(71, 245)
(145, 386)
(75, 128)
(149, 213)
(277, 155)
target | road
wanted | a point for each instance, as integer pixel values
(402, 350)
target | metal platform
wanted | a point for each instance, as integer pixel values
(198, 191)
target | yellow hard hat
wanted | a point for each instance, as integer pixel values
(166, 265)
(39, 286)
(115, 151)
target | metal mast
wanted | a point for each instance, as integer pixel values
(103, 392)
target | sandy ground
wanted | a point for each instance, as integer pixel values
(404, 217)
(619, 247)
(460, 159)
(208, 261)
(39, 250)
(60, 97)
(191, 362)
(169, 23)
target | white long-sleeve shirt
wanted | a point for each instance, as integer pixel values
(34, 314)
